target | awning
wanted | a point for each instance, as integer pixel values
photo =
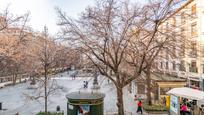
(187, 93)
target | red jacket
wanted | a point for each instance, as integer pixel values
(139, 104)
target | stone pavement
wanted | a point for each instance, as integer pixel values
(130, 104)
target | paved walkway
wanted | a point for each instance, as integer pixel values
(130, 104)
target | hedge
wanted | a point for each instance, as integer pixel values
(154, 107)
(50, 113)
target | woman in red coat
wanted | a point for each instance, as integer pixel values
(139, 107)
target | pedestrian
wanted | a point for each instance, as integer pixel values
(164, 101)
(17, 113)
(135, 97)
(183, 109)
(139, 106)
(87, 83)
(84, 84)
(72, 77)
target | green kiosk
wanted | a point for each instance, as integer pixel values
(85, 103)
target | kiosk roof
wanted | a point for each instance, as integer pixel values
(189, 93)
(85, 95)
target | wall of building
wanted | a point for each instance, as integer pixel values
(189, 21)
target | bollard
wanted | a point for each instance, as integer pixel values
(58, 108)
(0, 105)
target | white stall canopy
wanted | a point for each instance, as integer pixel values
(189, 93)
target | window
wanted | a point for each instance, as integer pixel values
(193, 29)
(183, 18)
(167, 65)
(161, 65)
(203, 67)
(167, 55)
(193, 52)
(193, 64)
(193, 67)
(193, 10)
(183, 31)
(202, 51)
(182, 66)
(174, 21)
(182, 50)
(174, 49)
(174, 66)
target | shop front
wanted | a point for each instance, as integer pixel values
(184, 100)
(161, 84)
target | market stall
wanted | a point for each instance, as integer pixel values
(178, 96)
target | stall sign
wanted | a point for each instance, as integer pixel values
(83, 110)
(174, 105)
(71, 107)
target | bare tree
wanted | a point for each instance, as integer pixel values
(102, 34)
(123, 39)
(44, 55)
(13, 37)
(7, 19)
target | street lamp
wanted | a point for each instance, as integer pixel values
(95, 81)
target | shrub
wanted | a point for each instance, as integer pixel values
(50, 113)
(154, 107)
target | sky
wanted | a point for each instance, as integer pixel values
(42, 12)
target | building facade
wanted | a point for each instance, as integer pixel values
(189, 60)
(188, 63)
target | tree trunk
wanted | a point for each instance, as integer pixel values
(14, 79)
(45, 86)
(46, 105)
(120, 101)
(20, 78)
(149, 98)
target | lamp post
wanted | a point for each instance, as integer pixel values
(95, 81)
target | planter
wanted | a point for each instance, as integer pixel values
(156, 112)
(51, 113)
(155, 109)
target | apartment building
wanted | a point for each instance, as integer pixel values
(189, 60)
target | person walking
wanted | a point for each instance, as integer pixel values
(139, 106)
(135, 98)
(87, 84)
(84, 84)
